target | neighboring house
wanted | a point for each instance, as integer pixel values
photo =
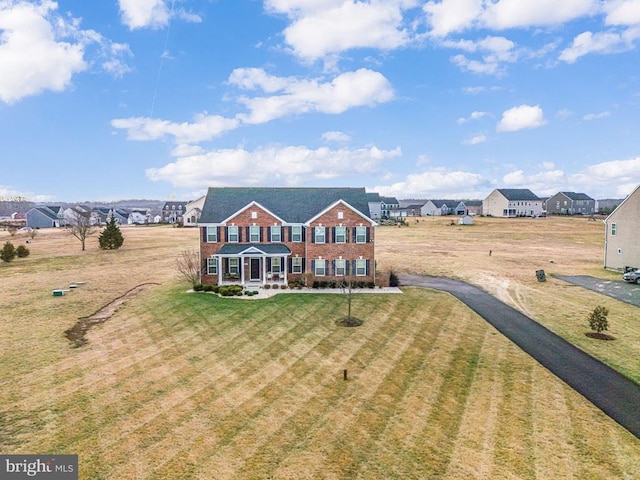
(138, 216)
(71, 214)
(512, 202)
(173, 212)
(409, 211)
(621, 246)
(607, 205)
(277, 235)
(387, 206)
(470, 207)
(375, 205)
(571, 203)
(438, 207)
(193, 210)
(45, 217)
(121, 216)
(99, 215)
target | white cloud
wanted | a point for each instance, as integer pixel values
(595, 116)
(152, 13)
(449, 16)
(474, 116)
(335, 136)
(203, 128)
(547, 182)
(351, 89)
(547, 166)
(435, 183)
(601, 43)
(496, 51)
(290, 165)
(607, 173)
(622, 12)
(475, 140)
(41, 50)
(520, 118)
(10, 193)
(324, 28)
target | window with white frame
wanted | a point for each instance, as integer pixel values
(276, 234)
(319, 234)
(254, 215)
(361, 267)
(614, 229)
(296, 233)
(254, 233)
(296, 265)
(234, 266)
(212, 266)
(320, 268)
(212, 234)
(340, 215)
(341, 234)
(341, 267)
(361, 234)
(232, 233)
(276, 264)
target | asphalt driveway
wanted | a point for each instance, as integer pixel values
(619, 289)
(613, 393)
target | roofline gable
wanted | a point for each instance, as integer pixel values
(621, 204)
(334, 204)
(249, 205)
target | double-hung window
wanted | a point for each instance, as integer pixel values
(234, 267)
(276, 234)
(361, 234)
(212, 266)
(212, 234)
(361, 267)
(320, 269)
(341, 267)
(296, 265)
(276, 264)
(614, 229)
(296, 233)
(319, 233)
(341, 234)
(254, 233)
(232, 234)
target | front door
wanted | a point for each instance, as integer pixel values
(255, 269)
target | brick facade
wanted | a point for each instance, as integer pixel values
(255, 255)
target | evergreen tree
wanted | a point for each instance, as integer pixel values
(111, 237)
(8, 252)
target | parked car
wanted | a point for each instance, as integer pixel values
(632, 276)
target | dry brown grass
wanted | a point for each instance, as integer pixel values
(185, 386)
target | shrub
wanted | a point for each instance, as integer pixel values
(22, 251)
(267, 286)
(208, 288)
(284, 287)
(598, 319)
(371, 285)
(393, 280)
(198, 287)
(8, 252)
(215, 288)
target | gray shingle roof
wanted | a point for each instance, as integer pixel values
(292, 205)
(577, 196)
(518, 194)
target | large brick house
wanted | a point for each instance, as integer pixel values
(278, 235)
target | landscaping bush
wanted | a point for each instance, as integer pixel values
(284, 287)
(198, 287)
(393, 280)
(267, 286)
(598, 319)
(208, 288)
(8, 252)
(22, 251)
(215, 288)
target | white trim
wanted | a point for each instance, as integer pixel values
(252, 204)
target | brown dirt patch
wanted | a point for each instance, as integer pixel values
(76, 334)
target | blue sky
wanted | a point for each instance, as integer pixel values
(119, 99)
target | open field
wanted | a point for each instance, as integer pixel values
(180, 385)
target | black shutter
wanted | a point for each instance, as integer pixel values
(368, 234)
(346, 267)
(333, 234)
(304, 265)
(367, 267)
(313, 235)
(354, 234)
(333, 267)
(303, 232)
(226, 234)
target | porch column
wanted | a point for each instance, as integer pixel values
(285, 268)
(263, 258)
(219, 269)
(241, 267)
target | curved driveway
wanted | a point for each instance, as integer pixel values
(612, 392)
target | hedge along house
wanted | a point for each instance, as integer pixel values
(257, 236)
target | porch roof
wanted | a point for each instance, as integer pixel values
(254, 248)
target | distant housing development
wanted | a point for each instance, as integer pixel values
(571, 203)
(512, 202)
(621, 246)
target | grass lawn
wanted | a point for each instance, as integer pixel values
(179, 385)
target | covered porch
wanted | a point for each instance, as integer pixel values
(252, 264)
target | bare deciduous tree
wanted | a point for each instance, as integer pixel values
(188, 262)
(80, 226)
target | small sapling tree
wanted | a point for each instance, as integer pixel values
(111, 237)
(22, 251)
(80, 227)
(188, 263)
(8, 252)
(598, 319)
